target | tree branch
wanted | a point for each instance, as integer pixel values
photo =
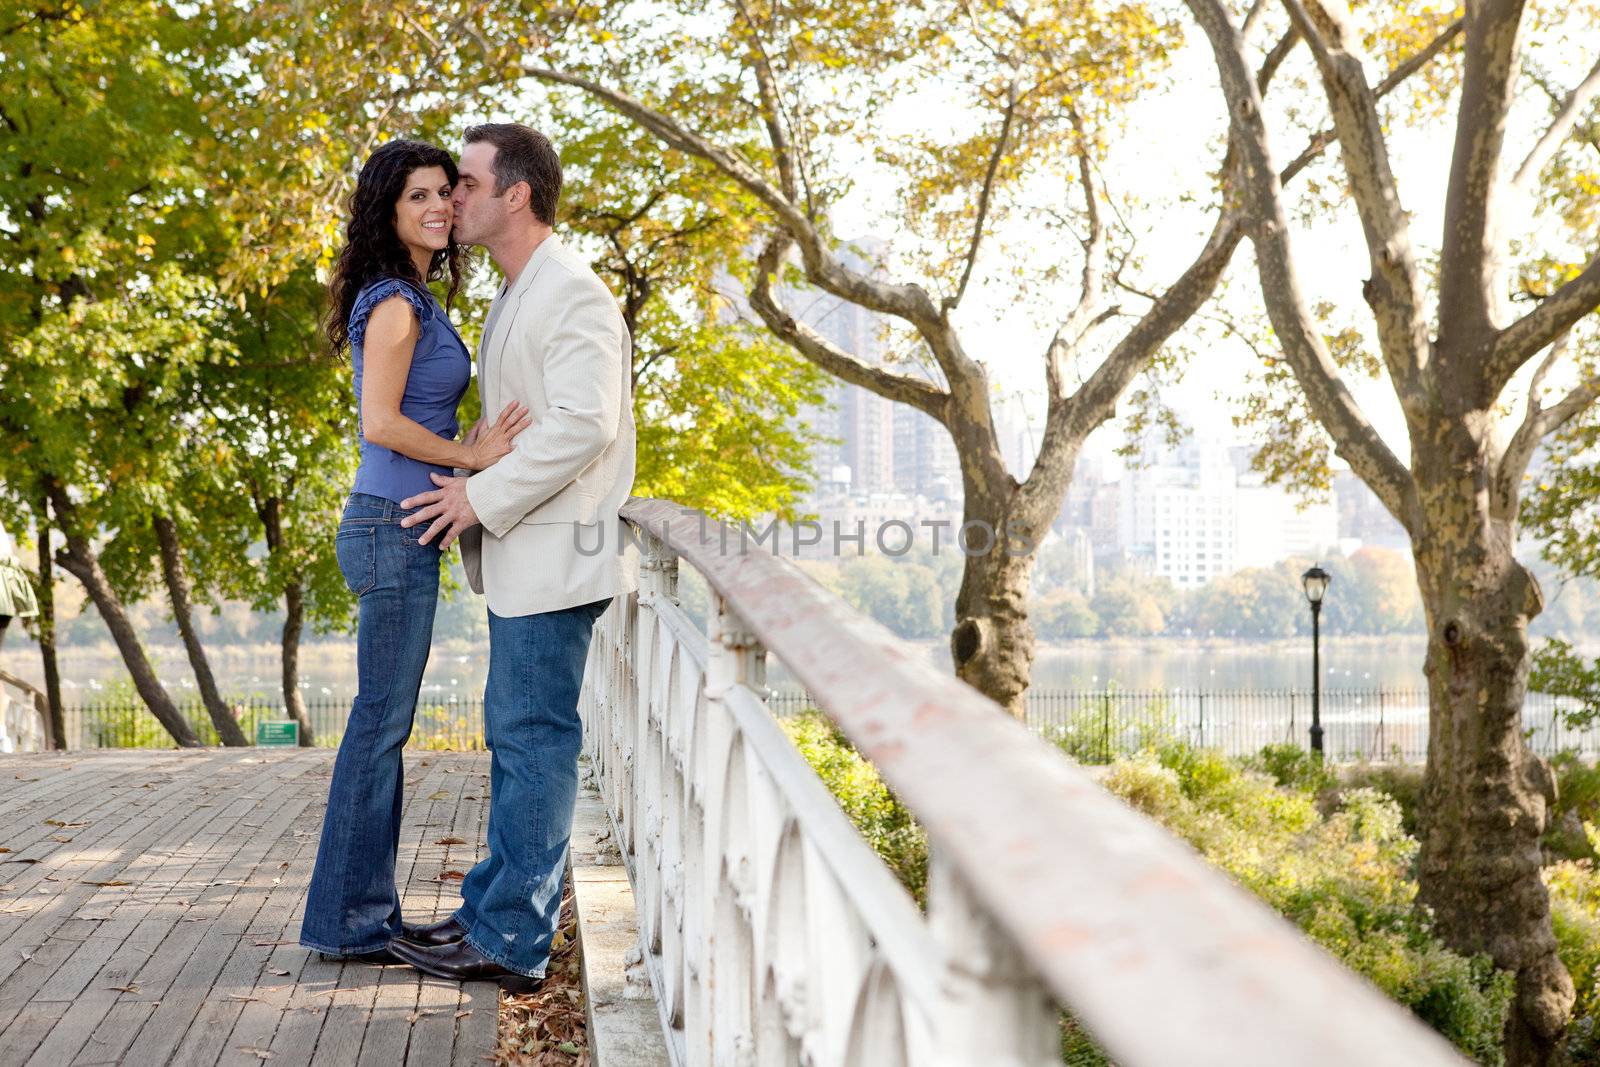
(1567, 115)
(1537, 423)
(772, 108)
(1085, 314)
(1389, 84)
(1470, 291)
(1550, 318)
(1395, 290)
(1355, 439)
(950, 303)
(918, 393)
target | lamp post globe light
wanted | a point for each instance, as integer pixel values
(1315, 582)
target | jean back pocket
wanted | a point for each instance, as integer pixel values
(356, 548)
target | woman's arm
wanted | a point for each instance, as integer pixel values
(391, 338)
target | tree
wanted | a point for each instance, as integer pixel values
(1128, 606)
(770, 98)
(1451, 361)
(1065, 615)
(283, 437)
(92, 105)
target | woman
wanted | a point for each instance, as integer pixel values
(411, 369)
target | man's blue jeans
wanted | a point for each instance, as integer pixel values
(352, 905)
(511, 901)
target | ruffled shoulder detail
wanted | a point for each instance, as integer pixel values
(375, 293)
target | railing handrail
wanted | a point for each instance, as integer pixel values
(1113, 913)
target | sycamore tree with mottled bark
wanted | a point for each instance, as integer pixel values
(1468, 327)
(1015, 107)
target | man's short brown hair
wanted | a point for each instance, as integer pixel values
(523, 154)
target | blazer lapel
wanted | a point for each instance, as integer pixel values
(492, 356)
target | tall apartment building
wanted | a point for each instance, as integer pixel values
(925, 462)
(1190, 516)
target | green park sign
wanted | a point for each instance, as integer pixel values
(277, 733)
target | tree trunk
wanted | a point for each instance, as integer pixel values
(992, 643)
(180, 593)
(1486, 797)
(294, 616)
(47, 630)
(293, 624)
(80, 561)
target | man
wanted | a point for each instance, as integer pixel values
(555, 341)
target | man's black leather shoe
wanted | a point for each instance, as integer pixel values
(460, 962)
(383, 957)
(445, 932)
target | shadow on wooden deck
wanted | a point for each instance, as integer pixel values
(150, 904)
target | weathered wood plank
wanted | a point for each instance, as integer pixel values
(84, 1017)
(215, 848)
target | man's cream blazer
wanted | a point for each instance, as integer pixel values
(550, 536)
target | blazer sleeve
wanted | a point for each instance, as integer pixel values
(583, 356)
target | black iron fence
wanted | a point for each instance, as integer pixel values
(1095, 726)
(1357, 724)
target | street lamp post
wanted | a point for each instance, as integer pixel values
(1315, 581)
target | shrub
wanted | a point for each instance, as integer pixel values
(1575, 913)
(1345, 879)
(1400, 782)
(1577, 805)
(1294, 767)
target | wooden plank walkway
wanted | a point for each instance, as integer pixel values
(150, 903)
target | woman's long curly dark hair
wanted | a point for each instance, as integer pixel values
(372, 248)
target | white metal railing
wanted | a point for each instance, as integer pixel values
(774, 935)
(24, 716)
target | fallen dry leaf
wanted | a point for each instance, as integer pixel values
(441, 841)
(129, 988)
(112, 882)
(464, 1013)
(61, 838)
(280, 973)
(439, 794)
(251, 1050)
(242, 997)
(58, 822)
(450, 876)
(420, 1013)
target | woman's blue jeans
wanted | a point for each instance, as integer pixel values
(352, 905)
